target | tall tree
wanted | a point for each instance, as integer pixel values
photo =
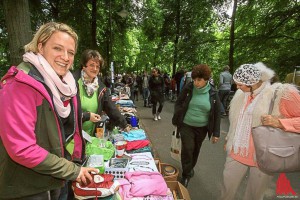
(232, 28)
(94, 25)
(177, 35)
(19, 31)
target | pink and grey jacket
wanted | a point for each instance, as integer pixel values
(32, 153)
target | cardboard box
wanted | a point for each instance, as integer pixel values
(178, 190)
(157, 163)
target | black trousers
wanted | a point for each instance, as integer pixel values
(154, 101)
(191, 141)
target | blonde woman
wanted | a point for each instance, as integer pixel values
(38, 111)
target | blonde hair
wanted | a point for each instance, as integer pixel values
(45, 32)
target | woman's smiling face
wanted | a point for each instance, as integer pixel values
(92, 68)
(59, 51)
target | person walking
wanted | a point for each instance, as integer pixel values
(93, 94)
(38, 112)
(156, 87)
(251, 104)
(196, 114)
(178, 76)
(145, 85)
(225, 82)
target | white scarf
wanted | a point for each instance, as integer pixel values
(243, 128)
(90, 86)
(61, 91)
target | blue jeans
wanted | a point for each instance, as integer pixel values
(145, 96)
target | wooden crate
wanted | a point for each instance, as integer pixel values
(178, 190)
(166, 176)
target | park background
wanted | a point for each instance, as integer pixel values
(140, 34)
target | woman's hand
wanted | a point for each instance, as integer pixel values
(269, 120)
(214, 140)
(94, 117)
(84, 175)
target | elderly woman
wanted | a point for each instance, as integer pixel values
(93, 94)
(197, 113)
(38, 111)
(249, 108)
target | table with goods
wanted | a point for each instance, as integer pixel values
(126, 163)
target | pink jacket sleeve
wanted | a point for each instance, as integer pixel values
(290, 108)
(18, 124)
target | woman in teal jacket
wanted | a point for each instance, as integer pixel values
(196, 114)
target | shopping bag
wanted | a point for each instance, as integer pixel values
(277, 151)
(176, 145)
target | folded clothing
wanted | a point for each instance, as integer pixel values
(141, 184)
(137, 144)
(136, 134)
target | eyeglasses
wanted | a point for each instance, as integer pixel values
(93, 66)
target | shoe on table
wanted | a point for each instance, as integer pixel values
(155, 117)
(100, 186)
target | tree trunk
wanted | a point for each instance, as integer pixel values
(94, 24)
(177, 28)
(231, 50)
(18, 25)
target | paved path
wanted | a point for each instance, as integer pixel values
(206, 183)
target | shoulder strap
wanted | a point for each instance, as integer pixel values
(272, 102)
(24, 66)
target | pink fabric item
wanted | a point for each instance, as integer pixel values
(137, 144)
(59, 89)
(140, 184)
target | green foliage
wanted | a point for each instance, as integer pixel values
(168, 33)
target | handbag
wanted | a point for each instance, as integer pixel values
(176, 145)
(277, 150)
